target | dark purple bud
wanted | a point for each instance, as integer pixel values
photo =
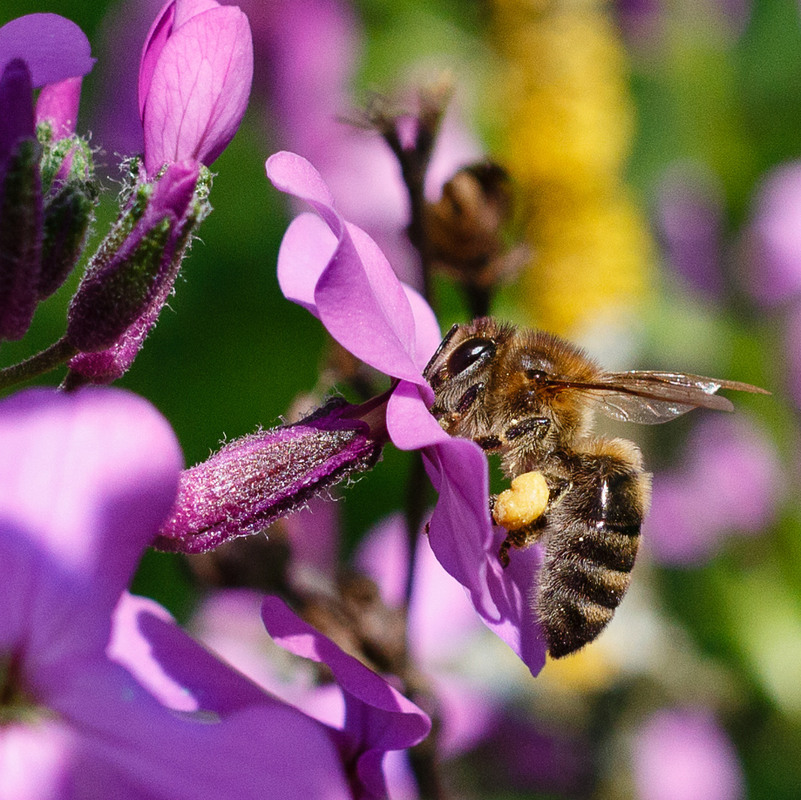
(20, 203)
(16, 101)
(107, 366)
(69, 198)
(255, 480)
(122, 285)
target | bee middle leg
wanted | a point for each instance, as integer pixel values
(520, 539)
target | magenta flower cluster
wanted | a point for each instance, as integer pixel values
(194, 82)
(101, 693)
(93, 678)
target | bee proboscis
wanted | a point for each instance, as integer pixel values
(531, 397)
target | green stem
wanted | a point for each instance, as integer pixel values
(50, 358)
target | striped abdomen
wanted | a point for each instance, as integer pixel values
(592, 539)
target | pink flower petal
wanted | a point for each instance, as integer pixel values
(267, 747)
(357, 295)
(464, 543)
(53, 47)
(306, 249)
(683, 753)
(160, 31)
(199, 89)
(87, 478)
(58, 104)
(378, 718)
(34, 760)
(426, 327)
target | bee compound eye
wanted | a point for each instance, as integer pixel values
(468, 353)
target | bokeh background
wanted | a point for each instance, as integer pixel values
(654, 147)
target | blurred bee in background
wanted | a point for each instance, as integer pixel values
(530, 397)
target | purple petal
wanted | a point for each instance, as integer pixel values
(357, 295)
(690, 217)
(160, 31)
(306, 249)
(263, 744)
(35, 760)
(293, 174)
(58, 104)
(364, 307)
(463, 541)
(54, 47)
(730, 482)
(199, 89)
(409, 422)
(684, 753)
(87, 477)
(384, 556)
(773, 239)
(378, 718)
(426, 327)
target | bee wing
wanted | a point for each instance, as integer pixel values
(653, 397)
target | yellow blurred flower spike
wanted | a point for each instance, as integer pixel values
(567, 129)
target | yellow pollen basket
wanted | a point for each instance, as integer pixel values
(523, 503)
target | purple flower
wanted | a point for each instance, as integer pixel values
(730, 483)
(376, 718)
(336, 271)
(194, 81)
(772, 240)
(122, 293)
(684, 753)
(92, 677)
(690, 218)
(35, 51)
(54, 48)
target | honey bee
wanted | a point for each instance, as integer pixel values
(531, 397)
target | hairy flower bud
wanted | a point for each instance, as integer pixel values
(254, 480)
(70, 196)
(133, 270)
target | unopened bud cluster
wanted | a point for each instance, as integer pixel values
(48, 192)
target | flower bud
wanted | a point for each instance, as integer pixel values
(70, 196)
(57, 105)
(255, 480)
(131, 271)
(20, 203)
(194, 82)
